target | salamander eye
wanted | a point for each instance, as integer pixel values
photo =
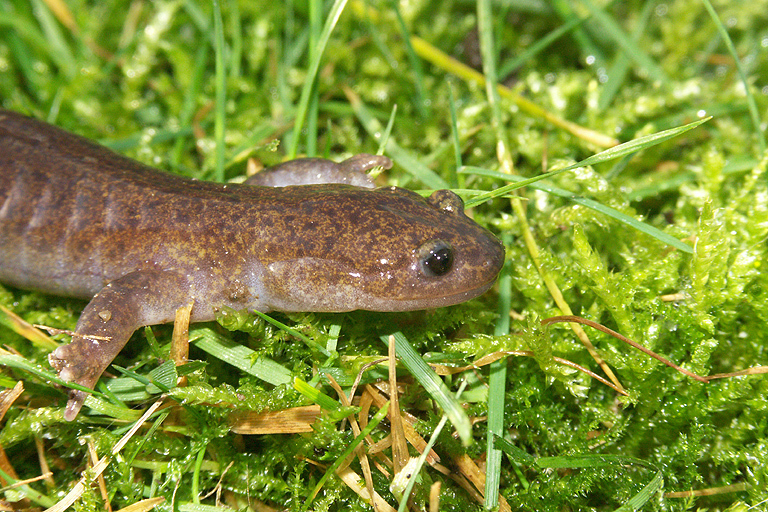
(435, 258)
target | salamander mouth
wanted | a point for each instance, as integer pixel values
(437, 301)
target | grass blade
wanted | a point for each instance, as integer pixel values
(612, 29)
(498, 370)
(752, 105)
(239, 356)
(604, 156)
(405, 159)
(591, 204)
(314, 65)
(539, 46)
(221, 91)
(433, 385)
(595, 461)
(415, 62)
(375, 420)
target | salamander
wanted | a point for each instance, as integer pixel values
(79, 220)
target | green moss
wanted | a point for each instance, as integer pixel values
(140, 77)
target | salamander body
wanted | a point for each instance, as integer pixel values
(77, 219)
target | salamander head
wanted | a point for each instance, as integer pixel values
(387, 249)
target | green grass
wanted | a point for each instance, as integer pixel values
(662, 239)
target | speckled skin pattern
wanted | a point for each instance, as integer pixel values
(78, 220)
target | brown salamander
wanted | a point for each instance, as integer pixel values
(79, 220)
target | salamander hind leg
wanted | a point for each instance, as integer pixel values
(314, 171)
(132, 301)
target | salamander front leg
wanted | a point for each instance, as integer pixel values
(132, 301)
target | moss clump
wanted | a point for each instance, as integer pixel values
(140, 77)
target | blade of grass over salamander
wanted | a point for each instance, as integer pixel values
(19, 362)
(374, 173)
(314, 65)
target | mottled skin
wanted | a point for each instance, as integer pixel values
(79, 220)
